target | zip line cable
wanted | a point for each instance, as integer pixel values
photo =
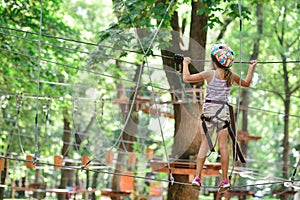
(125, 50)
(71, 40)
(110, 76)
(33, 96)
(88, 53)
(65, 65)
(101, 74)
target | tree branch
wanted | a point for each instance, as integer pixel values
(293, 42)
(224, 28)
(297, 87)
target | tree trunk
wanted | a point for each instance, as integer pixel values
(186, 144)
(66, 175)
(245, 105)
(186, 135)
(287, 103)
(245, 92)
(94, 184)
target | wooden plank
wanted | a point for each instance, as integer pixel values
(233, 192)
(162, 164)
(188, 168)
(246, 137)
(2, 162)
(127, 182)
(205, 172)
(58, 191)
(55, 190)
(110, 193)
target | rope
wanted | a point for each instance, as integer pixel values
(147, 178)
(157, 87)
(18, 107)
(58, 98)
(239, 91)
(36, 131)
(295, 171)
(69, 40)
(114, 48)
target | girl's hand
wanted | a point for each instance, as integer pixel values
(252, 63)
(187, 60)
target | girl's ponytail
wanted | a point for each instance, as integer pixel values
(228, 77)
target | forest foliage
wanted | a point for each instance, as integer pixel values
(64, 59)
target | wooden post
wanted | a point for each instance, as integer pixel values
(7, 169)
(13, 184)
(127, 183)
(131, 158)
(58, 159)
(109, 157)
(149, 153)
(85, 160)
(29, 162)
(26, 178)
(2, 161)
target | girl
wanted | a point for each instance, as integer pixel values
(215, 110)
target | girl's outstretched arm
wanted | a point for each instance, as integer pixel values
(247, 81)
(191, 78)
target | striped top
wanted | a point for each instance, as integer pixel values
(217, 89)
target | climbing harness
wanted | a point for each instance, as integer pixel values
(230, 125)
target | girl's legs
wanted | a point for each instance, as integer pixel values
(223, 147)
(204, 147)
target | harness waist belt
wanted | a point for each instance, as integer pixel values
(216, 101)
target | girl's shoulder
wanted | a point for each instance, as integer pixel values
(208, 75)
(208, 72)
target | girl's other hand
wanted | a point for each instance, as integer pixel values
(253, 63)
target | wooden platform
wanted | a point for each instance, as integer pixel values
(111, 193)
(246, 137)
(55, 190)
(283, 193)
(186, 168)
(233, 193)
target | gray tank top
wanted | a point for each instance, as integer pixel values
(217, 89)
